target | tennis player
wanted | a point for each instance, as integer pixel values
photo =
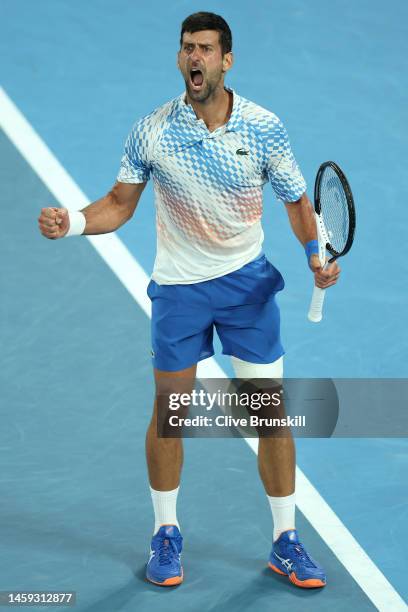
(210, 152)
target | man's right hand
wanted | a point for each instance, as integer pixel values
(53, 222)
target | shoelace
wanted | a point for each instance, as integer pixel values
(302, 555)
(167, 550)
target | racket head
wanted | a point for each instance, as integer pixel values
(334, 203)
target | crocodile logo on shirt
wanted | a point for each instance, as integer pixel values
(242, 151)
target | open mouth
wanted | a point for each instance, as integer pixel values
(196, 78)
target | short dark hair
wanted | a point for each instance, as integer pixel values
(197, 22)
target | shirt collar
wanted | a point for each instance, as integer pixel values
(234, 123)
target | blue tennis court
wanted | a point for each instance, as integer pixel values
(75, 378)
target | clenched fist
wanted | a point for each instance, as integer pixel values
(53, 222)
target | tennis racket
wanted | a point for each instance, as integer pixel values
(335, 221)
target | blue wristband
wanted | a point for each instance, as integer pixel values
(311, 248)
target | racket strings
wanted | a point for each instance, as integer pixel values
(334, 209)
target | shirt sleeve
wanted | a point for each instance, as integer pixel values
(282, 169)
(135, 166)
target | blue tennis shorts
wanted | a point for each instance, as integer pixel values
(240, 305)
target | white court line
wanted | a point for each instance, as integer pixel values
(348, 551)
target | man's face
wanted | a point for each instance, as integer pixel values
(202, 63)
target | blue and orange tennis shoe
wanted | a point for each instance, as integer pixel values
(164, 565)
(288, 557)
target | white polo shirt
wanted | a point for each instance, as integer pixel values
(208, 185)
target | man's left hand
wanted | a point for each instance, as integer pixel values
(327, 277)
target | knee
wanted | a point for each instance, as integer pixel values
(248, 370)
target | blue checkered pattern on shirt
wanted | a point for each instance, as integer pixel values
(209, 185)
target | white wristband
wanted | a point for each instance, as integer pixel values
(77, 223)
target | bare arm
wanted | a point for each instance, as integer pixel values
(302, 221)
(103, 216)
(113, 210)
(301, 217)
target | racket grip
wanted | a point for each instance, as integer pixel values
(316, 305)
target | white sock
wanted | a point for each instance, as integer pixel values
(283, 513)
(164, 506)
